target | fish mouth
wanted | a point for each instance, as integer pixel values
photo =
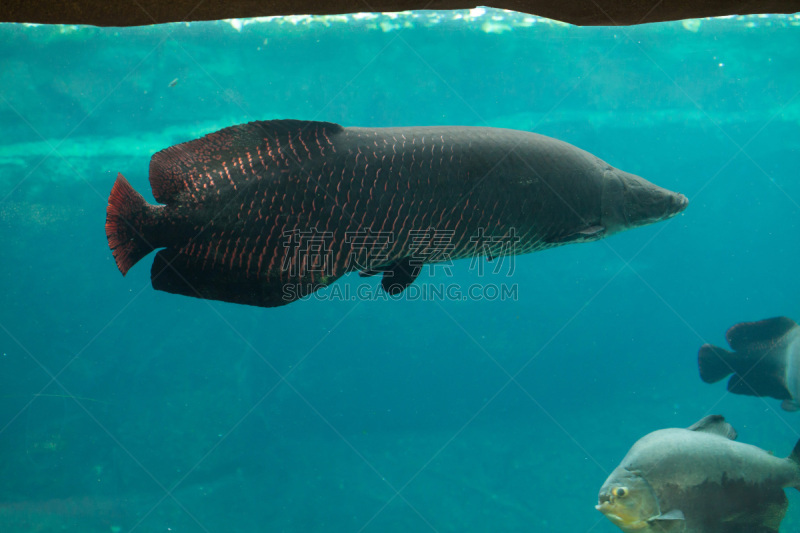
(629, 201)
(653, 204)
(626, 523)
(605, 508)
(680, 203)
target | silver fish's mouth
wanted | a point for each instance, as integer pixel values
(605, 508)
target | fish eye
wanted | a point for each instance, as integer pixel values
(620, 492)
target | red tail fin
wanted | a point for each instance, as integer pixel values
(124, 224)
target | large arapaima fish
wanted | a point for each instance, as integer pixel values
(267, 212)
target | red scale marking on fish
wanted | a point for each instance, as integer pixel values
(403, 245)
(413, 223)
(271, 265)
(225, 255)
(325, 134)
(226, 173)
(292, 148)
(216, 250)
(241, 255)
(250, 256)
(208, 250)
(233, 253)
(278, 151)
(389, 216)
(260, 157)
(260, 270)
(268, 148)
(306, 147)
(319, 145)
(461, 214)
(337, 242)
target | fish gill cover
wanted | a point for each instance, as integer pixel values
(128, 409)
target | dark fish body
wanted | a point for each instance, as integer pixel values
(699, 480)
(266, 212)
(765, 360)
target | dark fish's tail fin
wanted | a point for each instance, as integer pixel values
(126, 215)
(714, 363)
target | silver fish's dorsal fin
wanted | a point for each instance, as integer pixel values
(749, 335)
(716, 425)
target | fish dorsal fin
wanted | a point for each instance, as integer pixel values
(716, 425)
(749, 335)
(278, 143)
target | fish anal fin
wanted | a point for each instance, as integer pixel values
(714, 424)
(760, 382)
(400, 274)
(754, 335)
(180, 273)
(174, 169)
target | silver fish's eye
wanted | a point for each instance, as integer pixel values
(620, 492)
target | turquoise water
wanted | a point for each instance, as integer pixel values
(127, 409)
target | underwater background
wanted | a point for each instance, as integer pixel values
(127, 409)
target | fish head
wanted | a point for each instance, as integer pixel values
(628, 500)
(628, 201)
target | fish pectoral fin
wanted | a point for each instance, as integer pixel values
(674, 514)
(400, 274)
(766, 381)
(669, 522)
(592, 230)
(581, 234)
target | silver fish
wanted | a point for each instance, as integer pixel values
(699, 480)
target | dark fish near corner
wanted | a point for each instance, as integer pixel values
(699, 480)
(765, 360)
(268, 212)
